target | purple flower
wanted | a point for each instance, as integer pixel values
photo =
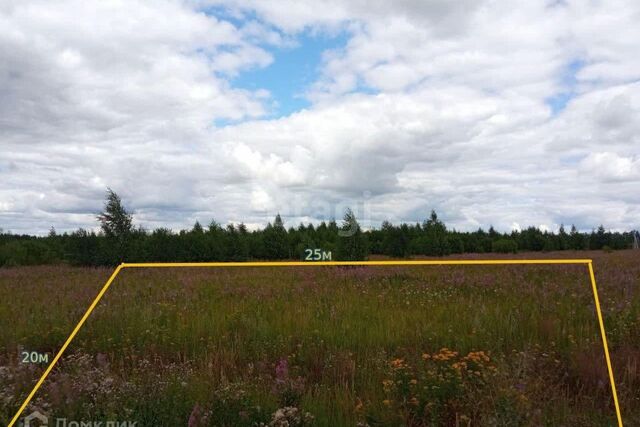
(196, 416)
(282, 370)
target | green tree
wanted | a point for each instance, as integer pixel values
(115, 221)
(576, 239)
(434, 240)
(196, 241)
(276, 242)
(161, 246)
(563, 238)
(215, 238)
(235, 246)
(504, 246)
(83, 248)
(599, 238)
(395, 240)
(197, 228)
(352, 243)
(532, 239)
(116, 224)
(243, 242)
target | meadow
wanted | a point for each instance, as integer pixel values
(327, 346)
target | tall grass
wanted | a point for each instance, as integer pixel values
(233, 346)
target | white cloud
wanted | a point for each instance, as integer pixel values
(261, 201)
(611, 166)
(430, 104)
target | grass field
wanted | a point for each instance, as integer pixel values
(418, 346)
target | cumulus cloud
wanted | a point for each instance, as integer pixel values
(429, 104)
(611, 166)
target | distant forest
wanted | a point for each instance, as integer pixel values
(120, 241)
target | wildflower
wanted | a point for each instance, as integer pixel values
(445, 354)
(397, 363)
(102, 360)
(386, 402)
(290, 416)
(195, 417)
(282, 370)
(477, 357)
(459, 366)
(413, 381)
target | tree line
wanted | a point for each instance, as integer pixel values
(120, 241)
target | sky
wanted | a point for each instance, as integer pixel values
(505, 113)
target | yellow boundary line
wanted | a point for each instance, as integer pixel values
(106, 286)
(604, 344)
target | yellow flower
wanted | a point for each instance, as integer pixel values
(386, 402)
(478, 357)
(445, 354)
(397, 363)
(459, 366)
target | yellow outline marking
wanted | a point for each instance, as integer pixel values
(604, 343)
(333, 263)
(66, 344)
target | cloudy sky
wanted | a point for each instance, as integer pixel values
(510, 113)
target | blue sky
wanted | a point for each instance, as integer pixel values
(295, 67)
(292, 71)
(568, 81)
